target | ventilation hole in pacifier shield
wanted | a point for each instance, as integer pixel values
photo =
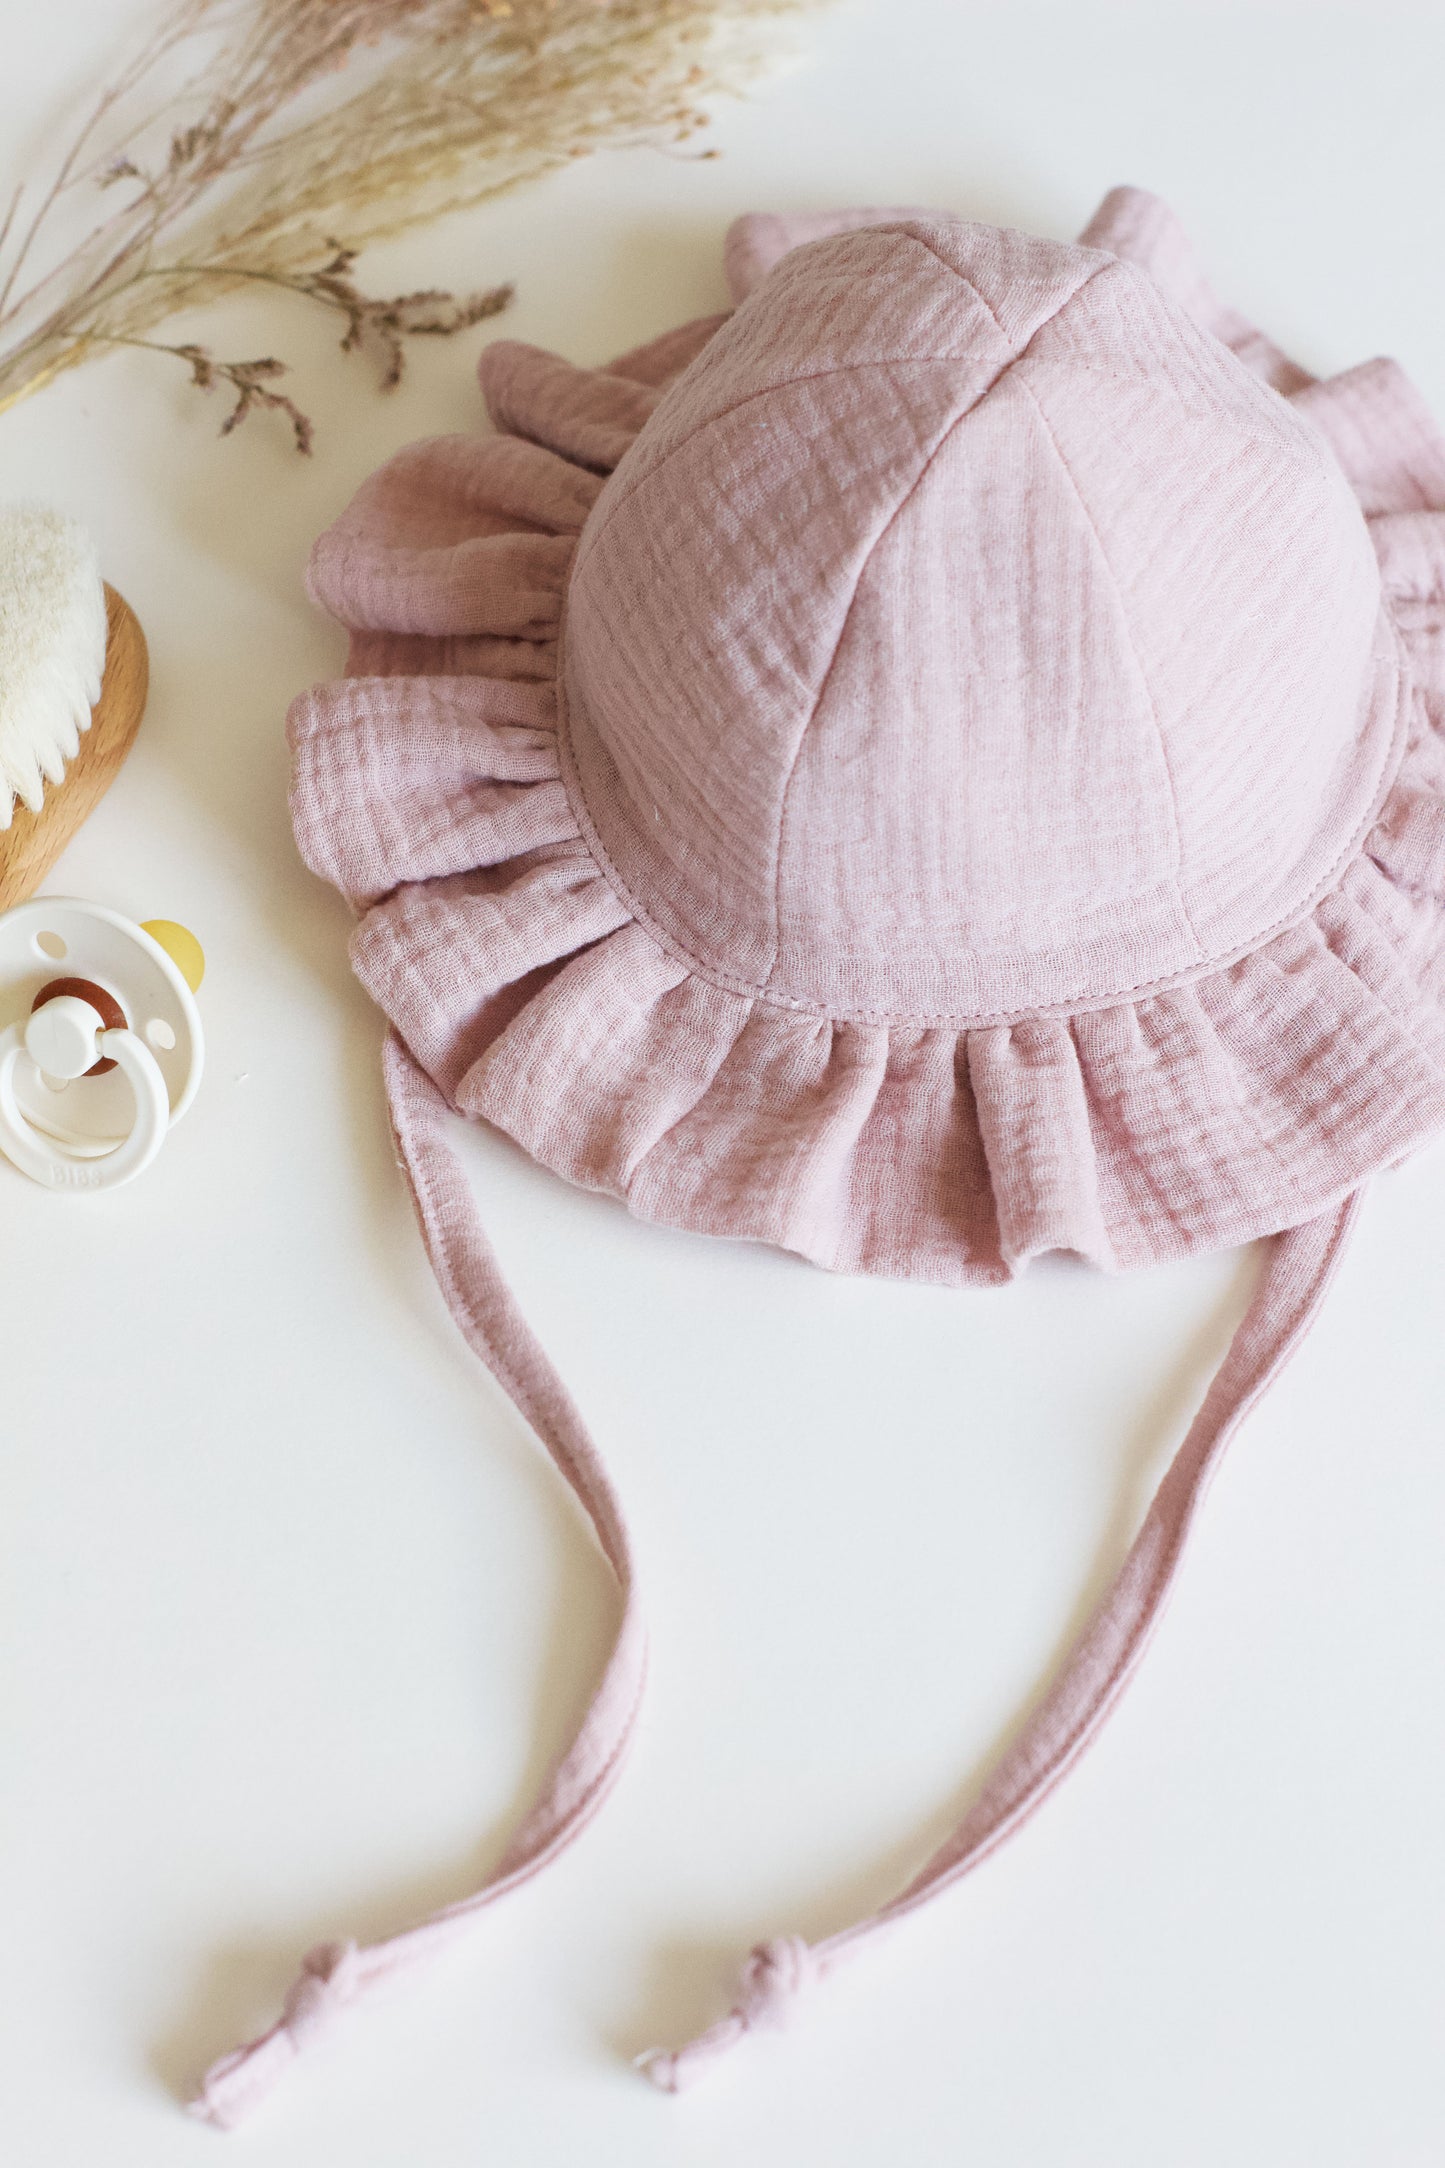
(51, 945)
(160, 1034)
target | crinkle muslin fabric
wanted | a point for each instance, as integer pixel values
(940, 763)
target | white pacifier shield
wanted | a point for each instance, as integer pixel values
(89, 1117)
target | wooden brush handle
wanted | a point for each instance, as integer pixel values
(33, 841)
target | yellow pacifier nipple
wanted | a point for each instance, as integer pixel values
(182, 947)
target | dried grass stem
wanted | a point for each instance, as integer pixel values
(293, 120)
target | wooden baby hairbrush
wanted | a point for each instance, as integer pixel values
(73, 677)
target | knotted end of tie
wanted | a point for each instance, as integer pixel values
(329, 1979)
(321, 1990)
(776, 1974)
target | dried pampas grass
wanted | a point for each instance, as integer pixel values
(248, 134)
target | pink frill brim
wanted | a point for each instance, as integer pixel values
(428, 787)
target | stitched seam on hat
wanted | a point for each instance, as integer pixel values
(884, 531)
(1068, 474)
(818, 376)
(814, 376)
(1079, 1000)
(985, 304)
(955, 423)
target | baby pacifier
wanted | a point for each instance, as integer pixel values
(100, 1040)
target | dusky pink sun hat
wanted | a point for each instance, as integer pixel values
(941, 764)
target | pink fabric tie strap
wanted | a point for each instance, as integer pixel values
(1297, 1271)
(1298, 1267)
(338, 1974)
(777, 1974)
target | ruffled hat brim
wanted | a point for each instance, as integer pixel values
(432, 788)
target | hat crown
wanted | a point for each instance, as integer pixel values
(968, 633)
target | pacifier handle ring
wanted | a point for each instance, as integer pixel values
(46, 1160)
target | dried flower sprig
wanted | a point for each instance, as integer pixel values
(251, 381)
(222, 156)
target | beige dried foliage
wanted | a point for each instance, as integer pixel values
(246, 135)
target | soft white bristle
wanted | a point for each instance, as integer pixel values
(52, 649)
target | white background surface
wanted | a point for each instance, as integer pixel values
(292, 1614)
